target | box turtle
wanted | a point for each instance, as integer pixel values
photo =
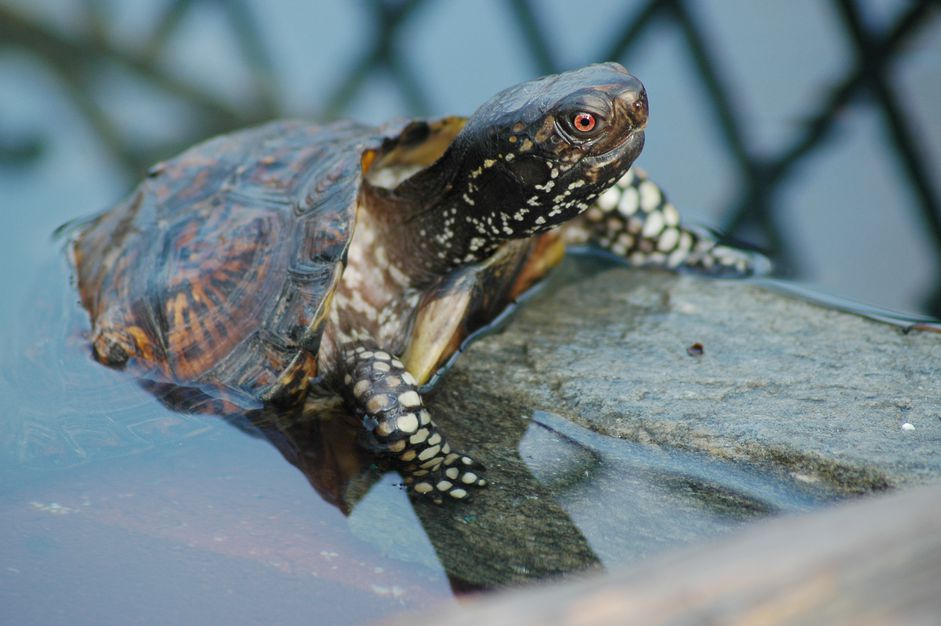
(292, 259)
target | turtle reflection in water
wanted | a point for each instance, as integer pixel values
(290, 261)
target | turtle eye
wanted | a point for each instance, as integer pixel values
(583, 122)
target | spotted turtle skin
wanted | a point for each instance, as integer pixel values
(290, 260)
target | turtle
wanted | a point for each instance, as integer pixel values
(296, 260)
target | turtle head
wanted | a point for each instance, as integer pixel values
(536, 154)
(530, 158)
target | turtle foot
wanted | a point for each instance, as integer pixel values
(113, 347)
(456, 477)
(387, 399)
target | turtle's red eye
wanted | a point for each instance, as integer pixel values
(583, 122)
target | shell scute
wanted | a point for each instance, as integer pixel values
(323, 239)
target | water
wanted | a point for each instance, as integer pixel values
(215, 531)
(127, 513)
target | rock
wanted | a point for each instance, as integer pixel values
(610, 435)
(820, 394)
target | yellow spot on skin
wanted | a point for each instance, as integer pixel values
(425, 417)
(653, 225)
(459, 493)
(397, 446)
(427, 453)
(434, 440)
(410, 399)
(382, 356)
(384, 429)
(469, 478)
(452, 473)
(444, 485)
(671, 216)
(649, 196)
(407, 423)
(361, 388)
(377, 403)
(379, 366)
(408, 455)
(419, 437)
(628, 179)
(609, 199)
(668, 239)
(423, 487)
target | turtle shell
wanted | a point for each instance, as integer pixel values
(216, 273)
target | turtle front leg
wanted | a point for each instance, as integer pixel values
(386, 397)
(634, 221)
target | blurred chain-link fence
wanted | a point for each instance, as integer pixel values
(76, 54)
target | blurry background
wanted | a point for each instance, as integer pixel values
(810, 128)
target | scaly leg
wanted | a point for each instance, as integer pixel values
(385, 396)
(634, 221)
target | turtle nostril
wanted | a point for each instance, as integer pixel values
(634, 104)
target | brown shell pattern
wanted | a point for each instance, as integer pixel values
(212, 273)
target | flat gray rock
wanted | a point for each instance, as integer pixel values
(607, 441)
(818, 393)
